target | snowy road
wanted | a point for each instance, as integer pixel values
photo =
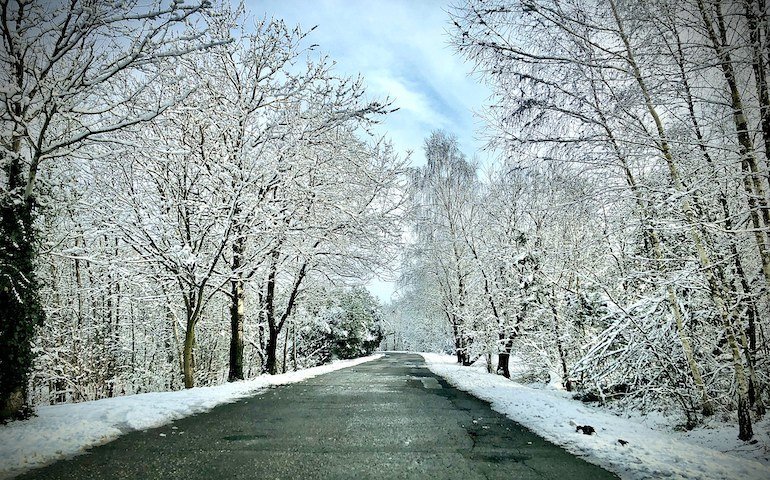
(388, 418)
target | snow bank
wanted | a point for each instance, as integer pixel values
(61, 431)
(650, 453)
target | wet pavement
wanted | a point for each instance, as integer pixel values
(388, 418)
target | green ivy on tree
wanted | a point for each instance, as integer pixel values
(20, 308)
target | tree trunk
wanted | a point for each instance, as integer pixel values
(745, 431)
(275, 325)
(758, 65)
(460, 348)
(754, 388)
(236, 315)
(272, 339)
(271, 364)
(187, 362)
(745, 297)
(504, 358)
(20, 309)
(748, 343)
(503, 364)
(560, 346)
(755, 188)
(294, 345)
(652, 238)
(236, 332)
(458, 344)
(748, 161)
(285, 349)
(687, 209)
(490, 369)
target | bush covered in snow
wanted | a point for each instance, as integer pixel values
(346, 325)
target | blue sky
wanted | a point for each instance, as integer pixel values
(401, 49)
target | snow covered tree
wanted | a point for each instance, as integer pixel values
(68, 70)
(215, 178)
(336, 215)
(443, 191)
(620, 97)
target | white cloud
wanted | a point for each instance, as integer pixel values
(401, 49)
(410, 100)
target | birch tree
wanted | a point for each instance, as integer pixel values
(623, 94)
(443, 192)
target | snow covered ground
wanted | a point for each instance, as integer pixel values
(61, 431)
(653, 450)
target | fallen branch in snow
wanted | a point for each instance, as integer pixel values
(584, 429)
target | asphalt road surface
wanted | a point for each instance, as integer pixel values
(389, 418)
